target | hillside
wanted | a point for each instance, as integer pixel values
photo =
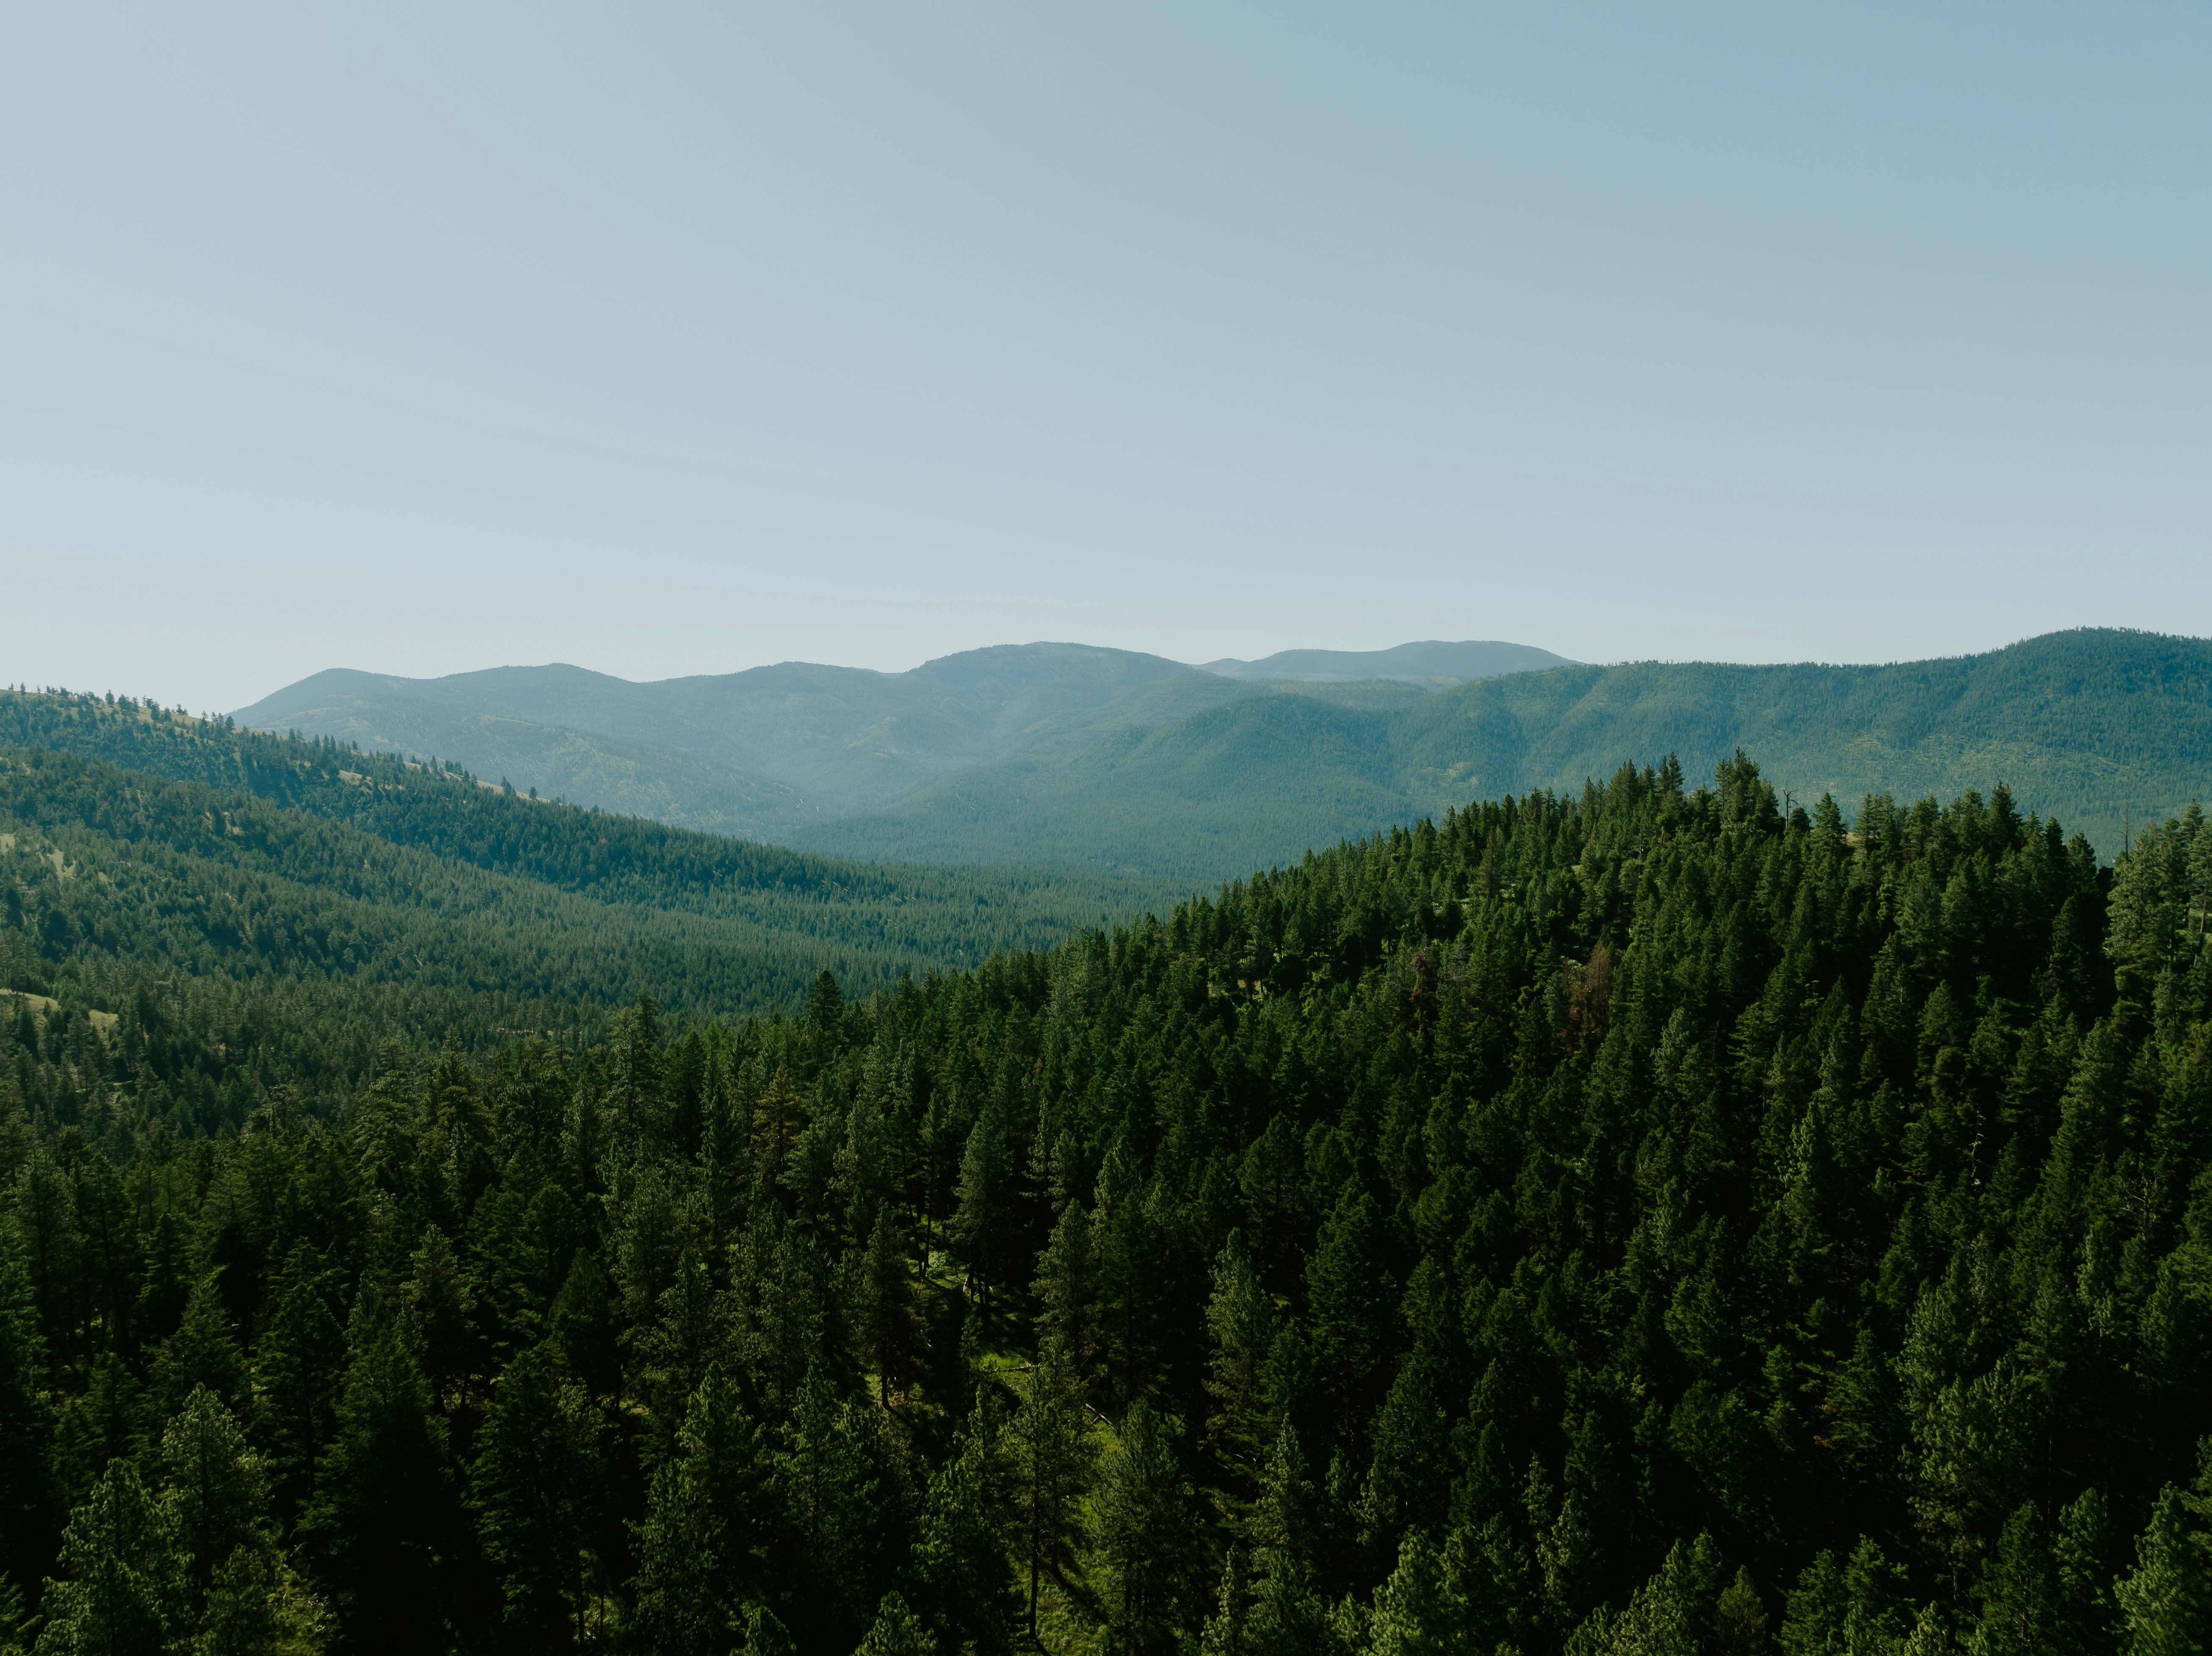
(1656, 1220)
(2098, 728)
(560, 761)
(137, 835)
(1252, 782)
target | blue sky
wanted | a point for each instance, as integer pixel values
(678, 339)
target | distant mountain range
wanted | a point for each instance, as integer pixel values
(1121, 761)
(1426, 661)
(774, 750)
(760, 751)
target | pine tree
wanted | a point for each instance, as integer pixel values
(214, 1484)
(1931, 1635)
(862, 1173)
(1413, 1615)
(109, 1253)
(297, 1369)
(637, 1093)
(444, 1302)
(648, 1227)
(14, 1621)
(1287, 1617)
(1066, 1284)
(1282, 1519)
(1566, 1551)
(765, 1635)
(957, 1571)
(1857, 1603)
(692, 1328)
(203, 1351)
(1048, 1448)
(1224, 1634)
(2084, 1551)
(28, 1496)
(1354, 1303)
(583, 1323)
(1240, 1319)
(166, 1288)
(776, 1119)
(2164, 1602)
(1670, 1614)
(1141, 1529)
(1408, 1482)
(45, 1215)
(825, 1007)
(258, 1605)
(707, 1516)
(387, 1521)
(980, 1223)
(1813, 1622)
(829, 1492)
(810, 1171)
(725, 1155)
(796, 1307)
(897, 1631)
(1491, 1572)
(1740, 1619)
(123, 1589)
(109, 1420)
(2022, 1610)
(1133, 1262)
(539, 1476)
(890, 1327)
(1272, 1182)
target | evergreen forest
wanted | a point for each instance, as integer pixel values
(249, 858)
(1665, 1218)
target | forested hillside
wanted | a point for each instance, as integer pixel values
(2101, 728)
(137, 835)
(1649, 1220)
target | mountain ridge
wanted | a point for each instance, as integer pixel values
(845, 737)
(1083, 756)
(1427, 659)
(776, 749)
(2095, 726)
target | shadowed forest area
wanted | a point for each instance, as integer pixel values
(1647, 1221)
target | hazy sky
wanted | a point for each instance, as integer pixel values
(674, 339)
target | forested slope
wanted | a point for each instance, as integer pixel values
(2094, 725)
(2100, 727)
(1644, 1220)
(235, 854)
(1260, 779)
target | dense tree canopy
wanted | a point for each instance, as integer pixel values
(1652, 1220)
